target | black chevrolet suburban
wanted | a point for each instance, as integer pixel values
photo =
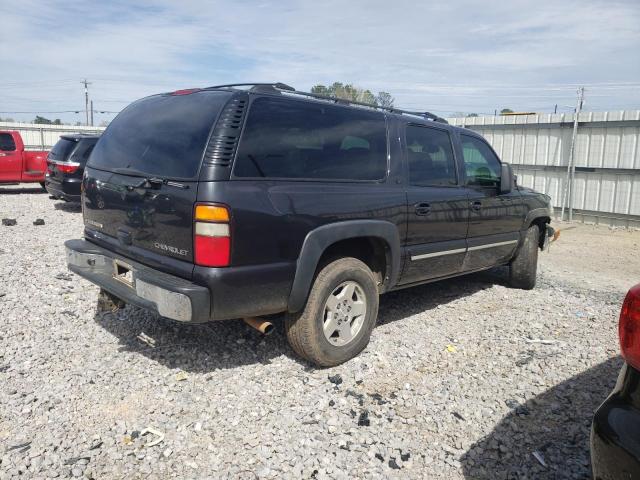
(241, 201)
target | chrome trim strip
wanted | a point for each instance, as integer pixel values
(438, 254)
(491, 245)
(461, 250)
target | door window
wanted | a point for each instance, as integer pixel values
(481, 164)
(7, 144)
(430, 156)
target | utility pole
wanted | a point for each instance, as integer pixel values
(92, 113)
(571, 167)
(86, 99)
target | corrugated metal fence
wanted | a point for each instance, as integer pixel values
(43, 137)
(607, 158)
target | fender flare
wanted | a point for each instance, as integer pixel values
(532, 215)
(317, 241)
(535, 213)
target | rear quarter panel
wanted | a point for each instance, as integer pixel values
(270, 219)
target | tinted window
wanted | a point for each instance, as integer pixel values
(481, 164)
(430, 155)
(6, 142)
(85, 147)
(296, 139)
(163, 135)
(62, 149)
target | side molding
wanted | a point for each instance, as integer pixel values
(317, 241)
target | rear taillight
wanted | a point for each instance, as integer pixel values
(211, 236)
(67, 167)
(64, 167)
(629, 327)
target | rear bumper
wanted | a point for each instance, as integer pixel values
(67, 189)
(167, 295)
(615, 432)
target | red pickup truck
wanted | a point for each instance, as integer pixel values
(18, 165)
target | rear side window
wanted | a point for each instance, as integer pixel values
(7, 144)
(481, 164)
(430, 156)
(163, 135)
(61, 151)
(293, 139)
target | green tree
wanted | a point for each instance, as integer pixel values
(473, 115)
(57, 121)
(385, 99)
(42, 120)
(506, 110)
(354, 93)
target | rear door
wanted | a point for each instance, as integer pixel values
(10, 159)
(437, 205)
(141, 185)
(495, 219)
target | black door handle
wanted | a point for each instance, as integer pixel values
(477, 205)
(423, 208)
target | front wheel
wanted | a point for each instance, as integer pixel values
(524, 267)
(340, 314)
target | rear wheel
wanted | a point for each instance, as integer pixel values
(44, 187)
(524, 267)
(340, 314)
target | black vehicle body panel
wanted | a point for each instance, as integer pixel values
(280, 227)
(615, 432)
(67, 185)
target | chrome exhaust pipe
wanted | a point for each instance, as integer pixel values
(265, 327)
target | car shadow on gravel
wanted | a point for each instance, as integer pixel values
(228, 344)
(69, 207)
(401, 304)
(555, 424)
(21, 190)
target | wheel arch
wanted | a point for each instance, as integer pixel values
(320, 241)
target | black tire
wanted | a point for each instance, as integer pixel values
(43, 185)
(305, 328)
(524, 267)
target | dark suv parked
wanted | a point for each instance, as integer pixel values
(222, 202)
(65, 165)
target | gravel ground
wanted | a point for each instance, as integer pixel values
(463, 379)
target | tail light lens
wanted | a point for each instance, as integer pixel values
(64, 167)
(629, 327)
(211, 236)
(67, 167)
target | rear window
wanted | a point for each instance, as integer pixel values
(295, 139)
(163, 135)
(85, 147)
(7, 144)
(62, 149)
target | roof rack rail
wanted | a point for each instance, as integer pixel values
(278, 85)
(283, 87)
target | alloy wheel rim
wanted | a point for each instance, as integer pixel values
(344, 313)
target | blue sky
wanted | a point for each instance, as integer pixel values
(454, 56)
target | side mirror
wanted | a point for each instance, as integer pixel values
(506, 178)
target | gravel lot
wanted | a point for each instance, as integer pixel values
(462, 379)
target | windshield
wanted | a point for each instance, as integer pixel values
(163, 135)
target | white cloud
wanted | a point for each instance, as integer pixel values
(464, 55)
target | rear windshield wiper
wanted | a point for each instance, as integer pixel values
(147, 181)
